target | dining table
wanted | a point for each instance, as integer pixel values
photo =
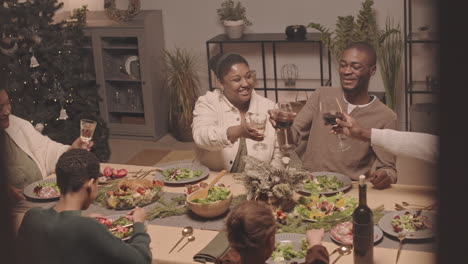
(165, 234)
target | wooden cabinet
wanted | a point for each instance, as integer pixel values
(128, 67)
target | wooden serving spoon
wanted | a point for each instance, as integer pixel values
(204, 192)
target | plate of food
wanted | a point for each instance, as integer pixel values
(182, 172)
(43, 190)
(325, 182)
(289, 247)
(414, 223)
(129, 193)
(318, 207)
(342, 233)
(121, 226)
(110, 174)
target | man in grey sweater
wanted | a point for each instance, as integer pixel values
(61, 235)
(356, 67)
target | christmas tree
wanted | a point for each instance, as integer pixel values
(48, 82)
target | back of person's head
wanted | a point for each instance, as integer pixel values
(74, 168)
(250, 225)
(365, 48)
(221, 63)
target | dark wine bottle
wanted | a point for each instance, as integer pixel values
(363, 228)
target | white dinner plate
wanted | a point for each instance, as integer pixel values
(385, 224)
(347, 183)
(289, 238)
(341, 233)
(188, 164)
(117, 216)
(29, 190)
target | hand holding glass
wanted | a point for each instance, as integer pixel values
(284, 116)
(330, 109)
(258, 121)
(87, 128)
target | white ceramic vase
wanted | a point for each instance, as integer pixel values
(234, 29)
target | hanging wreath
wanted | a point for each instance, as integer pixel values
(122, 15)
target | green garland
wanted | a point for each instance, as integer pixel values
(165, 208)
(122, 15)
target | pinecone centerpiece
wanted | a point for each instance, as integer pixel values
(274, 186)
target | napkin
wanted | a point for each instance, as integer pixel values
(217, 247)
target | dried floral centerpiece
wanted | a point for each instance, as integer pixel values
(274, 186)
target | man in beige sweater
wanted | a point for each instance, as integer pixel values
(356, 67)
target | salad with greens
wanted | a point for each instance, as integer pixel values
(214, 194)
(327, 208)
(177, 174)
(285, 252)
(409, 222)
(121, 228)
(47, 190)
(322, 183)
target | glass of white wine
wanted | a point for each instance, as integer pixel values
(258, 121)
(87, 127)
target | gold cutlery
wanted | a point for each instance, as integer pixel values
(401, 237)
(190, 239)
(187, 231)
(343, 250)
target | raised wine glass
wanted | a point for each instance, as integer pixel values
(330, 109)
(284, 121)
(87, 128)
(258, 121)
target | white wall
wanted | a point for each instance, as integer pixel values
(190, 23)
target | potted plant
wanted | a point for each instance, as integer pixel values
(364, 28)
(233, 16)
(183, 82)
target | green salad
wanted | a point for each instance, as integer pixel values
(177, 174)
(409, 222)
(327, 208)
(322, 183)
(214, 194)
(285, 251)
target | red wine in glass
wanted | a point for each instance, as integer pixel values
(330, 118)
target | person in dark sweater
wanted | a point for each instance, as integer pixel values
(61, 235)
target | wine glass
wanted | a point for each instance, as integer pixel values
(330, 109)
(258, 121)
(284, 120)
(87, 130)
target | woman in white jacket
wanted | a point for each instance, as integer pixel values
(30, 156)
(219, 128)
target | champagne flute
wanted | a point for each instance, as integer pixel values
(258, 121)
(284, 120)
(87, 128)
(330, 110)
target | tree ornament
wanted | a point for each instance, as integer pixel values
(34, 63)
(63, 114)
(39, 127)
(122, 15)
(8, 45)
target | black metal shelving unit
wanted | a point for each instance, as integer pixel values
(273, 39)
(413, 87)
